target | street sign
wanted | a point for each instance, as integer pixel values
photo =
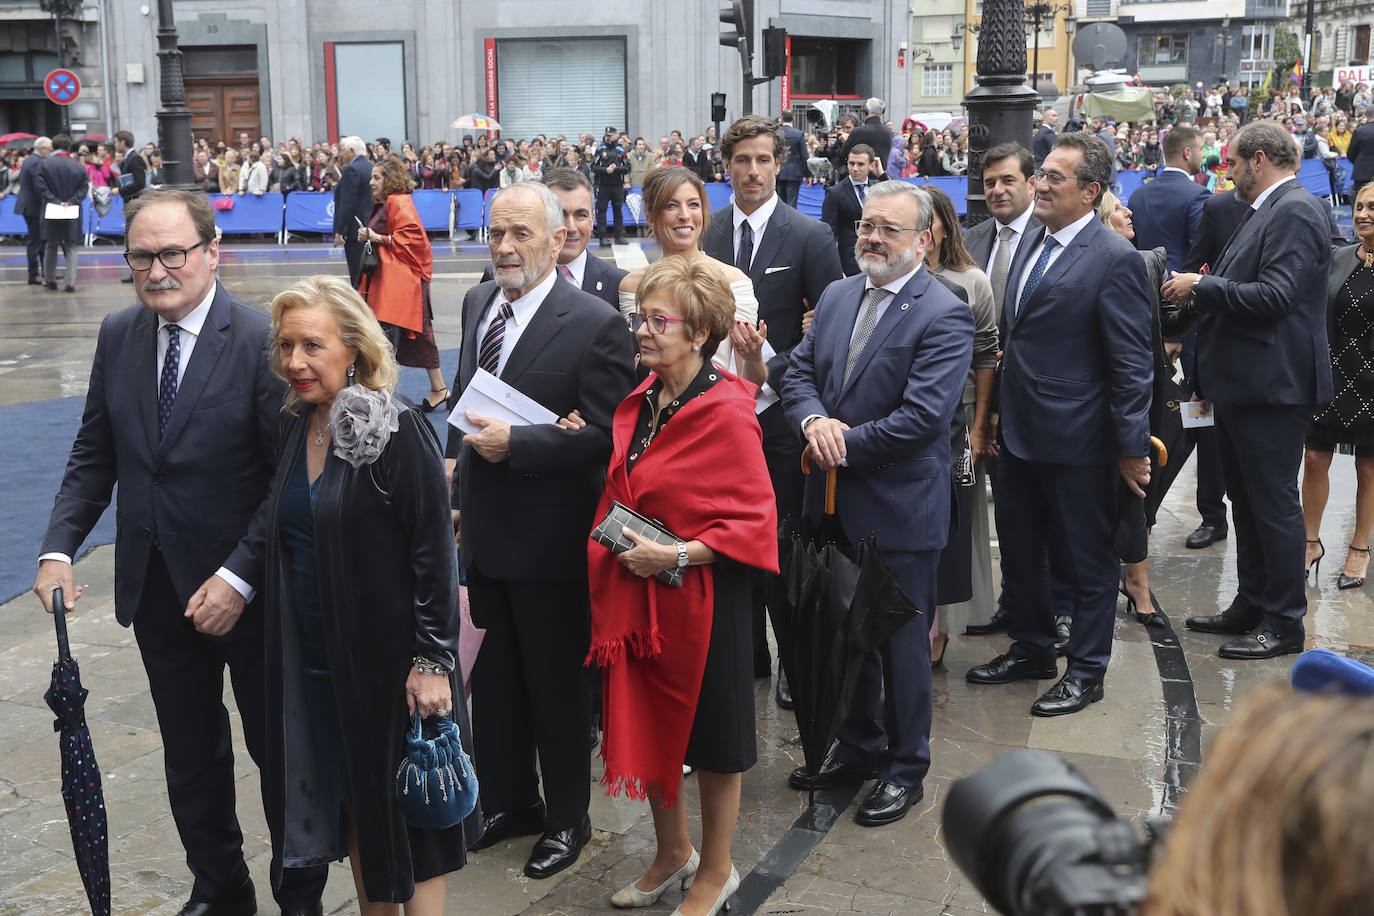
(61, 87)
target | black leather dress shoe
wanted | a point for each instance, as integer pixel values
(1227, 623)
(558, 849)
(1070, 695)
(1205, 536)
(832, 773)
(35, 281)
(308, 909)
(782, 692)
(1007, 668)
(997, 624)
(887, 804)
(240, 902)
(1063, 632)
(503, 825)
(1261, 643)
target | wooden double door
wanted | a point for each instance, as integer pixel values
(222, 107)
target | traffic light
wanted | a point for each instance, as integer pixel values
(717, 107)
(774, 52)
(740, 18)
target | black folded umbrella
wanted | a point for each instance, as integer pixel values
(833, 603)
(81, 790)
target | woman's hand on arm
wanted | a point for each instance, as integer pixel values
(428, 693)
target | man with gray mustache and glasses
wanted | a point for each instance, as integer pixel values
(181, 413)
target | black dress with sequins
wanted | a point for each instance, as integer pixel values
(1348, 421)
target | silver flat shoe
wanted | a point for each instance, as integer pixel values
(630, 897)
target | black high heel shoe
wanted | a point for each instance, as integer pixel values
(1346, 582)
(1311, 570)
(937, 662)
(425, 405)
(1152, 619)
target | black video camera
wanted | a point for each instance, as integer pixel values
(1036, 838)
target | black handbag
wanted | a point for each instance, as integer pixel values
(368, 263)
(436, 782)
(609, 533)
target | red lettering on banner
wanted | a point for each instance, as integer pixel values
(786, 83)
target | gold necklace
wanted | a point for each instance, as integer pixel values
(1365, 256)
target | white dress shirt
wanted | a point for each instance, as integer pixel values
(1064, 237)
(1018, 232)
(758, 223)
(1259, 201)
(522, 310)
(578, 268)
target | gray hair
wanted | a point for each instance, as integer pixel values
(1096, 164)
(553, 207)
(925, 207)
(874, 106)
(1277, 143)
(42, 143)
(353, 144)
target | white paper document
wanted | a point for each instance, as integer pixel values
(62, 211)
(488, 396)
(1196, 414)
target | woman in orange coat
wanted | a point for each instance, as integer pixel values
(398, 289)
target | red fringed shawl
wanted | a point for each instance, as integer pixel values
(704, 478)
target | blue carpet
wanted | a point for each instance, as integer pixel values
(35, 439)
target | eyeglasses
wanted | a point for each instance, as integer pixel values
(171, 258)
(887, 233)
(658, 324)
(1054, 178)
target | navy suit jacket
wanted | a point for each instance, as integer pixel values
(899, 403)
(1221, 216)
(1361, 154)
(193, 491)
(795, 260)
(600, 278)
(1166, 212)
(1077, 368)
(353, 198)
(134, 168)
(528, 517)
(1262, 318)
(29, 203)
(839, 211)
(982, 239)
(794, 169)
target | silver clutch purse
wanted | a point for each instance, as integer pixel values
(609, 533)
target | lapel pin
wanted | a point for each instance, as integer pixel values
(905, 306)
(598, 286)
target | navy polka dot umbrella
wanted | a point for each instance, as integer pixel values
(80, 774)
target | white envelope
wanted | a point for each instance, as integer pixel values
(488, 396)
(1196, 414)
(62, 211)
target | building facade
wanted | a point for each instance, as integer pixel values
(1200, 41)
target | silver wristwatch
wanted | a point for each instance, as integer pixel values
(681, 555)
(426, 666)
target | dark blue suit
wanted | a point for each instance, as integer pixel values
(29, 205)
(793, 171)
(1074, 389)
(839, 211)
(1263, 361)
(1166, 212)
(353, 202)
(895, 487)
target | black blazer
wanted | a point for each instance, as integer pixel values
(839, 211)
(353, 198)
(795, 261)
(1221, 216)
(1361, 154)
(600, 278)
(1261, 333)
(29, 203)
(794, 169)
(62, 180)
(194, 491)
(981, 241)
(528, 517)
(1042, 143)
(135, 168)
(872, 132)
(1166, 212)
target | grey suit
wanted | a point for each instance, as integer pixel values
(61, 180)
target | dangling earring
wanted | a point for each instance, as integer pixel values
(351, 370)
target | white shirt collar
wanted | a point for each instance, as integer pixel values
(195, 320)
(578, 268)
(523, 309)
(758, 220)
(896, 285)
(1259, 201)
(1018, 225)
(1070, 232)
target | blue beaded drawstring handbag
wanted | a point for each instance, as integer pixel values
(436, 783)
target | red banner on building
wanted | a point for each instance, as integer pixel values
(490, 58)
(786, 83)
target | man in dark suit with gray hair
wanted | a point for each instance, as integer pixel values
(352, 202)
(29, 205)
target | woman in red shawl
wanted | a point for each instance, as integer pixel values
(398, 290)
(678, 662)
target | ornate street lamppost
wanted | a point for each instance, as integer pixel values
(173, 118)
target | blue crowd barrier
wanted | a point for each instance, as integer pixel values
(471, 209)
(112, 223)
(810, 200)
(310, 211)
(11, 223)
(251, 214)
(433, 207)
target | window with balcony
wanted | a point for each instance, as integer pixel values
(937, 80)
(1257, 49)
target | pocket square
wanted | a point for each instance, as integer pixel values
(773, 270)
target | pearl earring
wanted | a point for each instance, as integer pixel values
(696, 347)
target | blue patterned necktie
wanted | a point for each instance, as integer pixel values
(862, 191)
(1037, 272)
(489, 354)
(167, 384)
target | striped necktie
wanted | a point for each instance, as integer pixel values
(489, 354)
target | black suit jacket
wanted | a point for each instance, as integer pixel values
(528, 517)
(1221, 216)
(600, 278)
(1361, 154)
(1166, 212)
(795, 260)
(1042, 143)
(874, 133)
(839, 211)
(62, 180)
(133, 175)
(194, 491)
(29, 203)
(794, 169)
(353, 198)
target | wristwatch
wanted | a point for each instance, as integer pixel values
(1192, 290)
(681, 555)
(428, 666)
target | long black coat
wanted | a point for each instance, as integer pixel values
(61, 180)
(388, 580)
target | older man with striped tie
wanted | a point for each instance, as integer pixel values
(523, 505)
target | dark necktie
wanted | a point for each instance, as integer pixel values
(489, 354)
(745, 256)
(862, 191)
(1036, 273)
(167, 384)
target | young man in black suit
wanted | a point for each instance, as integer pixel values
(188, 557)
(844, 204)
(794, 170)
(524, 499)
(352, 202)
(1264, 363)
(791, 259)
(133, 174)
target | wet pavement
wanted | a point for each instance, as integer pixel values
(1163, 704)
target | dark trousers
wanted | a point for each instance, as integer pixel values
(888, 725)
(530, 699)
(1261, 450)
(1211, 479)
(33, 245)
(782, 452)
(353, 253)
(1066, 513)
(789, 191)
(186, 677)
(614, 195)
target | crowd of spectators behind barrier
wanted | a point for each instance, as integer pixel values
(1325, 127)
